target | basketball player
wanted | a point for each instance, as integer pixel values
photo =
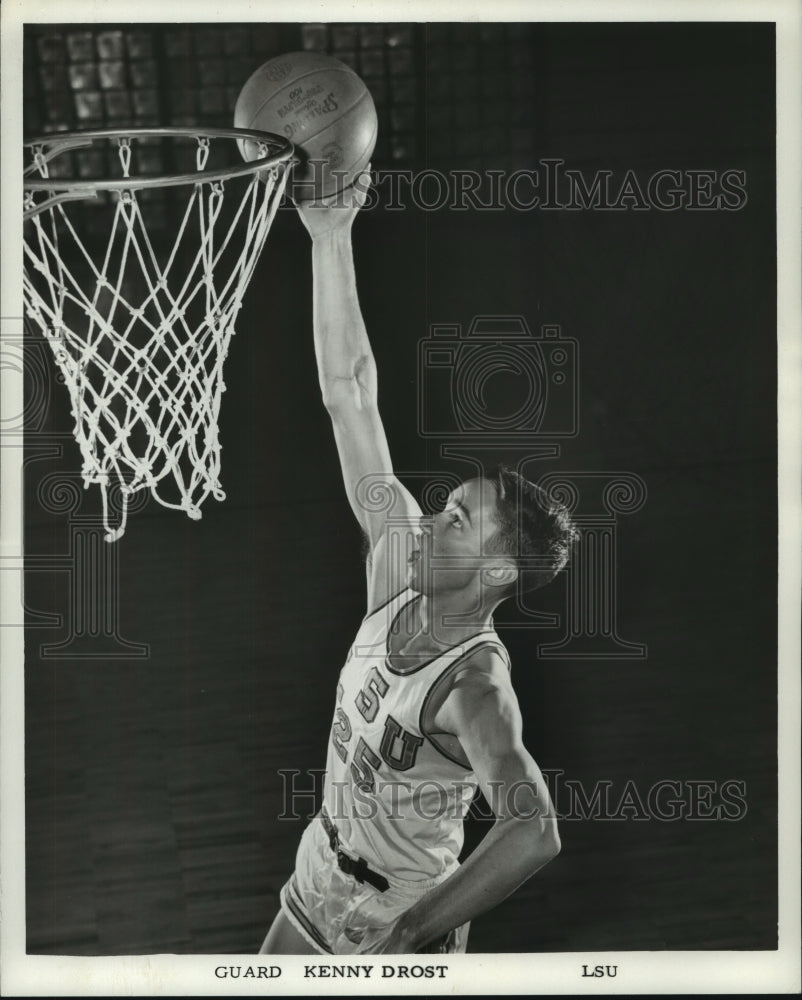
(425, 710)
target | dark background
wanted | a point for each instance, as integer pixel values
(152, 781)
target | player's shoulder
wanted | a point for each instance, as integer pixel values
(487, 657)
(481, 689)
(483, 669)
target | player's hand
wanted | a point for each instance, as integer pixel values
(392, 940)
(338, 211)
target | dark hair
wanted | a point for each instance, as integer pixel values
(533, 529)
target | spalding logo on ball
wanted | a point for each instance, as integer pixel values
(320, 105)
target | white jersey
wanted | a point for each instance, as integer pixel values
(397, 795)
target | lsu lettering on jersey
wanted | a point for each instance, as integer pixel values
(397, 795)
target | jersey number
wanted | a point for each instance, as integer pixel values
(341, 730)
(367, 701)
(398, 747)
(365, 762)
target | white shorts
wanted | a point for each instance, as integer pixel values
(332, 910)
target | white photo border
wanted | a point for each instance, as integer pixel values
(537, 974)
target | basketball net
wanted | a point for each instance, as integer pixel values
(141, 343)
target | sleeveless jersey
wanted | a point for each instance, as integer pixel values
(397, 798)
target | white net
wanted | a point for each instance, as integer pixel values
(141, 337)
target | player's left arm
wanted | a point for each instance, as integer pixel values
(482, 711)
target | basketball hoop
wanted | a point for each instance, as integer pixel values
(141, 336)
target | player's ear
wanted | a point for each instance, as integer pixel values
(502, 574)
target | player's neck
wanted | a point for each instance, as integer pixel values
(457, 614)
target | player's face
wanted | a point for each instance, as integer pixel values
(451, 543)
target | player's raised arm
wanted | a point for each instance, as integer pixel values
(348, 382)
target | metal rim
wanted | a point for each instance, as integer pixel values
(78, 138)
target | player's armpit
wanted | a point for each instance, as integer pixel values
(387, 560)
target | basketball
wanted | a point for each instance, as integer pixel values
(320, 105)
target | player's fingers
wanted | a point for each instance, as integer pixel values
(361, 186)
(303, 205)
